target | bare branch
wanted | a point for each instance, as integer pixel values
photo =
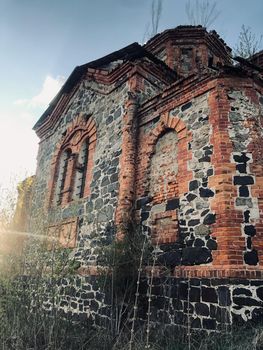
(201, 12)
(152, 27)
(248, 43)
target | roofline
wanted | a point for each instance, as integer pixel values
(130, 52)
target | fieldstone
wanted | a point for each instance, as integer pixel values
(196, 256)
(209, 219)
(241, 159)
(242, 168)
(246, 216)
(260, 293)
(243, 191)
(193, 185)
(190, 197)
(199, 242)
(193, 222)
(243, 180)
(202, 309)
(224, 296)
(172, 204)
(209, 295)
(98, 203)
(211, 244)
(202, 230)
(242, 291)
(250, 230)
(244, 202)
(186, 106)
(251, 257)
(206, 192)
(105, 181)
(171, 259)
(209, 323)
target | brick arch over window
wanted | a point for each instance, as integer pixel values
(72, 163)
(184, 137)
(166, 154)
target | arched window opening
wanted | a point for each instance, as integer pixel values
(81, 170)
(164, 167)
(62, 175)
(164, 188)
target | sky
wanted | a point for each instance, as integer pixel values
(41, 41)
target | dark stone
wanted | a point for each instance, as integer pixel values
(246, 216)
(209, 295)
(144, 215)
(105, 181)
(196, 256)
(245, 301)
(204, 212)
(111, 171)
(243, 191)
(186, 106)
(73, 305)
(109, 120)
(241, 159)
(114, 178)
(206, 192)
(204, 159)
(224, 296)
(209, 219)
(172, 204)
(183, 291)
(209, 323)
(90, 295)
(251, 258)
(243, 180)
(211, 244)
(202, 309)
(94, 305)
(210, 172)
(242, 291)
(114, 162)
(257, 315)
(193, 185)
(193, 222)
(96, 175)
(199, 242)
(260, 293)
(189, 211)
(117, 113)
(249, 243)
(189, 242)
(194, 294)
(190, 197)
(142, 201)
(250, 230)
(171, 259)
(242, 168)
(196, 323)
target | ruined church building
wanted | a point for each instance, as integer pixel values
(167, 135)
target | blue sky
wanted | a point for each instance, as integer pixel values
(41, 41)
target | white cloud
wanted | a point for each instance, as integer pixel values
(50, 88)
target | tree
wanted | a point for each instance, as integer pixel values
(201, 12)
(248, 43)
(153, 25)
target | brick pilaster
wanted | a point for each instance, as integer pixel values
(127, 166)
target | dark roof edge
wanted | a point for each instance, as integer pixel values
(77, 73)
(131, 52)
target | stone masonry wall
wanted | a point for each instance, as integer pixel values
(96, 212)
(190, 197)
(207, 304)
